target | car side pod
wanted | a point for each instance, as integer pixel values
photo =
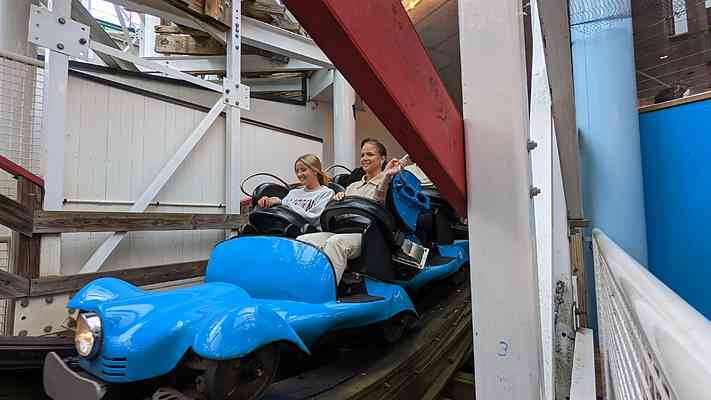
(242, 331)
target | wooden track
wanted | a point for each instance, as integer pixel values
(418, 367)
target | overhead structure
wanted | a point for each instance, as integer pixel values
(375, 46)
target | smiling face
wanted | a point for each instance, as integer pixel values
(371, 159)
(306, 175)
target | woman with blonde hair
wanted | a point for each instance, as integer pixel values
(311, 198)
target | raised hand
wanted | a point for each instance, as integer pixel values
(339, 196)
(393, 167)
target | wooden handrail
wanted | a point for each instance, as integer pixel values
(92, 221)
(17, 170)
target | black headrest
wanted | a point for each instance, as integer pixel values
(356, 206)
(279, 219)
(268, 189)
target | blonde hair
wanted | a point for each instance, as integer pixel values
(313, 163)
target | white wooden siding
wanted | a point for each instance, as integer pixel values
(117, 141)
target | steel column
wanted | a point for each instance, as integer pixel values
(344, 124)
(375, 46)
(54, 126)
(507, 335)
(233, 135)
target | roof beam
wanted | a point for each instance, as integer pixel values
(271, 38)
(97, 33)
(216, 64)
(319, 82)
(375, 46)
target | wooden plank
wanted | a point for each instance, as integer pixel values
(136, 276)
(555, 26)
(197, 6)
(375, 46)
(16, 170)
(27, 249)
(15, 216)
(13, 286)
(219, 10)
(176, 43)
(90, 221)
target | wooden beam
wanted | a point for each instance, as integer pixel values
(26, 250)
(219, 10)
(555, 27)
(13, 286)
(87, 221)
(375, 46)
(15, 216)
(178, 43)
(136, 276)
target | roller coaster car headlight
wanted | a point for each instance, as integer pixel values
(87, 338)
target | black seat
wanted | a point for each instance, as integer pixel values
(279, 220)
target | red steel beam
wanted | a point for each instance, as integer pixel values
(375, 46)
(16, 170)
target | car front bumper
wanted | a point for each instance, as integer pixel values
(62, 383)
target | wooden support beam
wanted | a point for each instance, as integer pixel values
(375, 46)
(15, 216)
(86, 221)
(555, 27)
(26, 250)
(13, 286)
(136, 276)
(193, 45)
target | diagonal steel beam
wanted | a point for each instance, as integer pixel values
(375, 46)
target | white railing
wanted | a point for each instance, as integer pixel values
(653, 344)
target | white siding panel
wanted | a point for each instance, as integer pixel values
(117, 141)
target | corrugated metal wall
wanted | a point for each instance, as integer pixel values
(117, 141)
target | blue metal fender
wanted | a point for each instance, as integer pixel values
(243, 330)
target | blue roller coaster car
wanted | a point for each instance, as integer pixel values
(264, 293)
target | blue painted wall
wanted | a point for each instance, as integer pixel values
(676, 156)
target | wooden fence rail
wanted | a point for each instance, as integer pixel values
(85, 221)
(14, 286)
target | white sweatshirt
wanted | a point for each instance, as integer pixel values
(309, 204)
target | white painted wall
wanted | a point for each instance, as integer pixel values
(117, 141)
(368, 125)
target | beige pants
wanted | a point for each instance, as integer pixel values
(339, 247)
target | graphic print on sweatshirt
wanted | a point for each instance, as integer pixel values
(306, 204)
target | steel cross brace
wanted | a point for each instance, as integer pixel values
(375, 46)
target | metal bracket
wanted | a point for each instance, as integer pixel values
(236, 94)
(58, 33)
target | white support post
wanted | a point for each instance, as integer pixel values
(54, 125)
(233, 136)
(107, 247)
(344, 124)
(124, 28)
(148, 41)
(507, 341)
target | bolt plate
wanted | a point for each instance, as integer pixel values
(236, 94)
(70, 38)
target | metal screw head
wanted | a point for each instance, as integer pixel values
(49, 300)
(534, 192)
(227, 91)
(532, 145)
(24, 303)
(82, 41)
(60, 46)
(47, 329)
(61, 20)
(22, 333)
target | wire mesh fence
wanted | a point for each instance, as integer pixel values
(630, 368)
(21, 106)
